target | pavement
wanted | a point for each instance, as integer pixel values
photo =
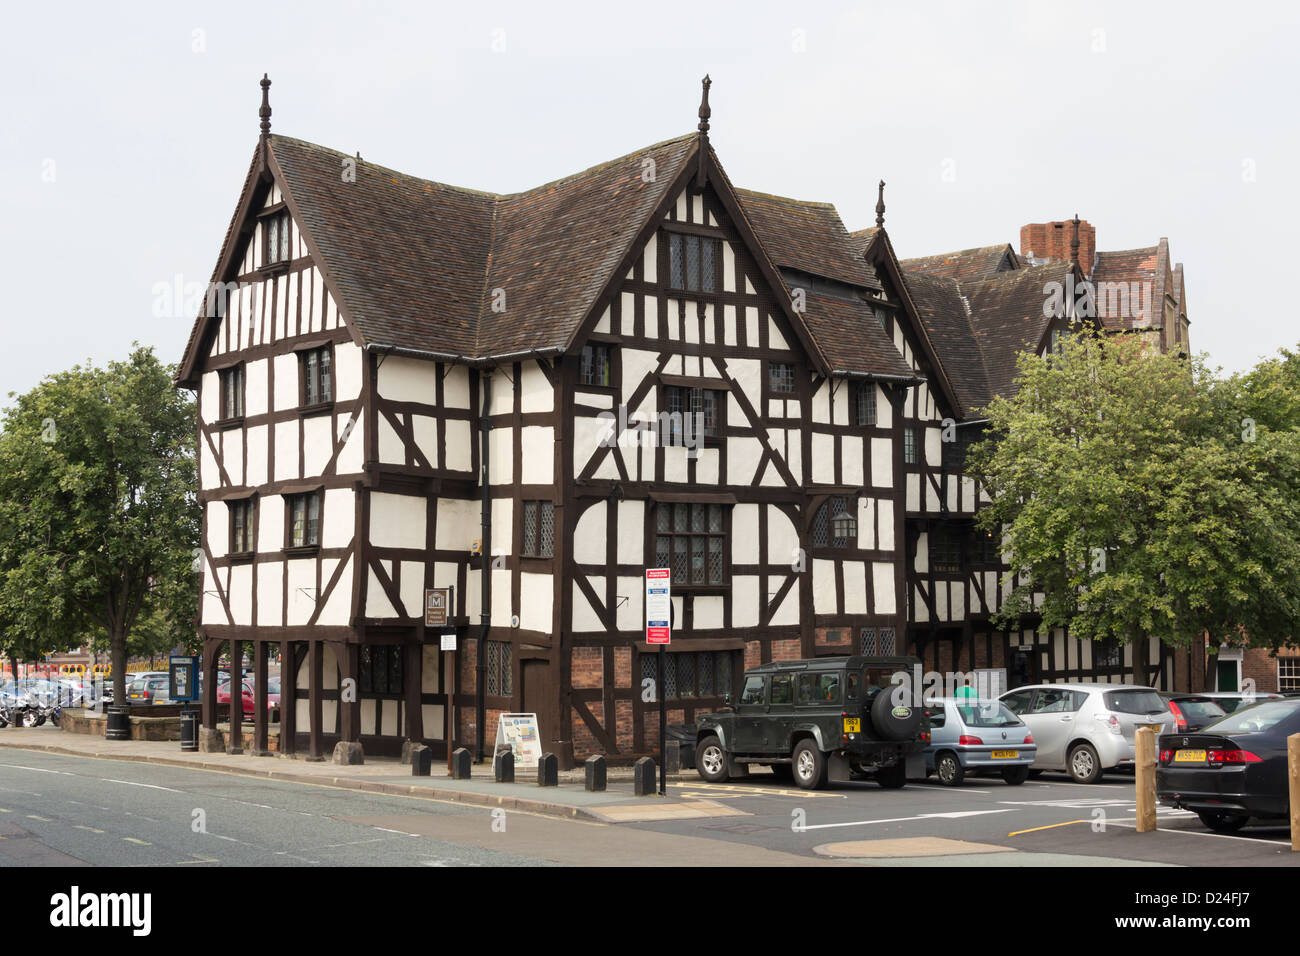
(617, 804)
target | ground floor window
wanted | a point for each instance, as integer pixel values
(879, 642)
(1288, 675)
(380, 670)
(499, 679)
(692, 673)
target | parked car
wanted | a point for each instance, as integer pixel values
(968, 735)
(1235, 701)
(1085, 729)
(1192, 711)
(1233, 769)
(149, 688)
(816, 720)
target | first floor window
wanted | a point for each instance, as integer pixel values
(834, 524)
(689, 539)
(232, 392)
(499, 679)
(1107, 653)
(692, 673)
(381, 669)
(595, 365)
(304, 520)
(317, 382)
(864, 404)
(986, 547)
(539, 529)
(909, 445)
(945, 551)
(241, 526)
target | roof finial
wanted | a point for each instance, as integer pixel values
(705, 112)
(1074, 241)
(880, 206)
(265, 111)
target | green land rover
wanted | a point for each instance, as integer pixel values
(819, 719)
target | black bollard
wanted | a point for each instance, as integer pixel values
(548, 771)
(460, 761)
(643, 777)
(503, 766)
(421, 760)
(595, 766)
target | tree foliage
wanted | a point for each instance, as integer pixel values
(98, 513)
(1139, 495)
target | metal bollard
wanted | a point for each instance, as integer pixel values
(595, 767)
(643, 777)
(548, 771)
(421, 760)
(503, 766)
(460, 763)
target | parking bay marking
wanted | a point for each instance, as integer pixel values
(720, 790)
(952, 815)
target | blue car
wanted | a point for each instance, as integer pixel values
(968, 735)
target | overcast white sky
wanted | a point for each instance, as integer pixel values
(128, 130)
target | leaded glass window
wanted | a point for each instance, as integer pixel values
(690, 539)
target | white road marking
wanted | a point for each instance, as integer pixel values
(923, 816)
(1221, 836)
(131, 783)
(15, 766)
(939, 786)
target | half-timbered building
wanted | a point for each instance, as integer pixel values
(531, 398)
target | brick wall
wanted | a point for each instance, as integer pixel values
(588, 668)
(786, 650)
(753, 654)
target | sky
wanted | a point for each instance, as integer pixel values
(127, 131)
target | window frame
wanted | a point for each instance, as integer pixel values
(772, 383)
(327, 350)
(954, 544)
(829, 507)
(283, 223)
(676, 439)
(686, 238)
(307, 546)
(724, 535)
(249, 508)
(910, 443)
(542, 505)
(391, 655)
(859, 390)
(224, 411)
(499, 675)
(673, 659)
(1292, 679)
(611, 363)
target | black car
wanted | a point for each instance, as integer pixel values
(820, 719)
(1193, 711)
(1233, 769)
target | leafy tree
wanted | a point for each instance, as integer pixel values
(1135, 503)
(98, 513)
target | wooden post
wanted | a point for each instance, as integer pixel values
(1293, 766)
(1145, 741)
(259, 698)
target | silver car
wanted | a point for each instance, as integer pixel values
(1084, 729)
(969, 735)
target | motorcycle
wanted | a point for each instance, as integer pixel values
(29, 711)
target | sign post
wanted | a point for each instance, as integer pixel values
(659, 630)
(437, 617)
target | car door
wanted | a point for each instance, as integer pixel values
(1051, 719)
(780, 715)
(750, 712)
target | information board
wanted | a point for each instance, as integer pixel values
(658, 606)
(519, 734)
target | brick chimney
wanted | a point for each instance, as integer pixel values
(1051, 240)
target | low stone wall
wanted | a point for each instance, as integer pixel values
(78, 721)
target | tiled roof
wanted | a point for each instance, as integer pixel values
(851, 338)
(808, 236)
(1007, 317)
(1129, 287)
(417, 263)
(966, 265)
(942, 309)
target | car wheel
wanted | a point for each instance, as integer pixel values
(892, 778)
(949, 769)
(1221, 822)
(1084, 764)
(711, 760)
(809, 765)
(1015, 776)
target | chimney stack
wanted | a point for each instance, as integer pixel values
(1052, 241)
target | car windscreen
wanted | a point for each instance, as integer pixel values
(1200, 708)
(987, 713)
(1141, 702)
(1251, 720)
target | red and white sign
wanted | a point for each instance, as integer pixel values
(658, 606)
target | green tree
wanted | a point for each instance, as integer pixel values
(1135, 503)
(98, 512)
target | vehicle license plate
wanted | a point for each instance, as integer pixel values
(852, 725)
(1189, 756)
(1006, 754)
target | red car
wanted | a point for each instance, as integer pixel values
(272, 694)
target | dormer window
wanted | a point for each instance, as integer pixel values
(691, 261)
(595, 368)
(277, 238)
